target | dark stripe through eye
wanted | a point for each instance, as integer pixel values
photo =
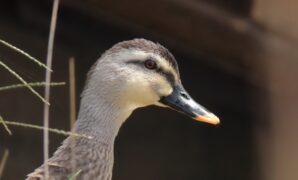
(167, 74)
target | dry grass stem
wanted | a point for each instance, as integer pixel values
(24, 82)
(32, 84)
(72, 92)
(56, 131)
(5, 126)
(3, 162)
(47, 87)
(73, 177)
(72, 104)
(25, 54)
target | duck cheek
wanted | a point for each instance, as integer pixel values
(146, 97)
(163, 90)
(139, 96)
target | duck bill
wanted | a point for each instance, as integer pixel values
(181, 101)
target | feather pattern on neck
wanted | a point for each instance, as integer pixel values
(100, 116)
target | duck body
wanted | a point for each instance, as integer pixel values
(130, 75)
(90, 161)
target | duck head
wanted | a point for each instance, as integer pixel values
(138, 73)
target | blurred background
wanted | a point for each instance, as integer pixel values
(238, 58)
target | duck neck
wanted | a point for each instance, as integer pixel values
(100, 117)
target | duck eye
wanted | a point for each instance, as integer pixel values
(150, 64)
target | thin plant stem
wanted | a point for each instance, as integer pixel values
(5, 125)
(74, 176)
(72, 92)
(72, 104)
(32, 84)
(25, 54)
(24, 82)
(3, 162)
(47, 87)
(52, 130)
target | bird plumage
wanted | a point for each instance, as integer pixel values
(92, 160)
(117, 84)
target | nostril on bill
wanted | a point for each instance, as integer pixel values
(184, 95)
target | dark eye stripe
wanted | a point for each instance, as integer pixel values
(169, 76)
(134, 62)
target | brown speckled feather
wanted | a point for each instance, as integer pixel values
(92, 160)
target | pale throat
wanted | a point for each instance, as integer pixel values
(101, 117)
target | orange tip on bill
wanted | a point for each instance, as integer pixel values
(208, 118)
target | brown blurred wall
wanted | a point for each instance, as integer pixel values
(278, 15)
(263, 53)
(278, 144)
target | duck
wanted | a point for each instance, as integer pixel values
(131, 74)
